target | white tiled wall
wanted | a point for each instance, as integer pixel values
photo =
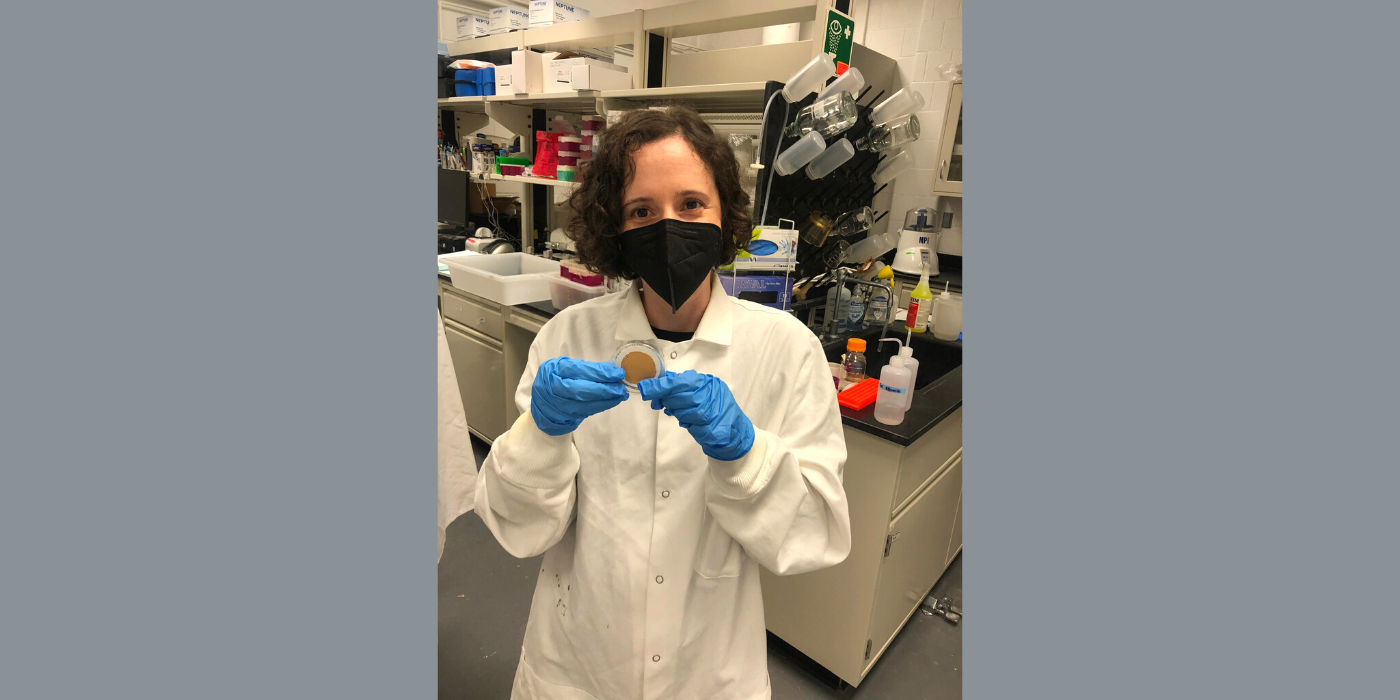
(920, 35)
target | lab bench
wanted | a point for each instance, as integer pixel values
(903, 483)
(904, 494)
(490, 345)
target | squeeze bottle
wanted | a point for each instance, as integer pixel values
(893, 398)
(920, 302)
(947, 322)
(912, 365)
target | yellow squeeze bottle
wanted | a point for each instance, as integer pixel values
(920, 301)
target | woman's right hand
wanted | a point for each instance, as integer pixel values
(566, 391)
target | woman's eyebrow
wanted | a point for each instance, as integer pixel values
(692, 193)
(635, 200)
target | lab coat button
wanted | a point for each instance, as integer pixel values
(673, 354)
(665, 494)
(656, 658)
(659, 579)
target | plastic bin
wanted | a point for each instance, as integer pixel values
(509, 165)
(565, 293)
(512, 278)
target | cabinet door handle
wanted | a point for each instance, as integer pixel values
(481, 321)
(943, 170)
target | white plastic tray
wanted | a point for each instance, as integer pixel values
(566, 292)
(512, 278)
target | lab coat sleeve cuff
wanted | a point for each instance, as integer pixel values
(746, 476)
(531, 458)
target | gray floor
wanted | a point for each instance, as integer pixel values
(484, 600)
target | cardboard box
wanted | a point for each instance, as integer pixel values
(503, 80)
(526, 71)
(508, 19)
(595, 78)
(559, 75)
(768, 290)
(469, 26)
(544, 13)
(505, 205)
(475, 194)
(783, 255)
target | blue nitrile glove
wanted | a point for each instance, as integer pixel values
(703, 405)
(566, 391)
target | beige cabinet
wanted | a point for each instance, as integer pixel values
(479, 363)
(520, 330)
(475, 331)
(917, 546)
(904, 504)
(949, 178)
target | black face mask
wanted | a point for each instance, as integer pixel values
(673, 257)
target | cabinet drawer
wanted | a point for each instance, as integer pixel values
(477, 314)
(480, 367)
(925, 457)
(918, 547)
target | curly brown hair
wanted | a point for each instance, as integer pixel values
(597, 200)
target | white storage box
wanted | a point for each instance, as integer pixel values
(559, 73)
(526, 71)
(544, 13)
(595, 78)
(469, 26)
(513, 278)
(565, 292)
(508, 19)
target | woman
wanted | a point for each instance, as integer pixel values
(654, 511)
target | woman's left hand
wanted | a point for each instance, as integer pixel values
(705, 407)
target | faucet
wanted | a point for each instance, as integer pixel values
(841, 280)
(551, 249)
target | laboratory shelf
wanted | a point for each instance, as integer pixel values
(475, 104)
(577, 101)
(528, 180)
(624, 28)
(509, 41)
(723, 97)
(609, 31)
(715, 16)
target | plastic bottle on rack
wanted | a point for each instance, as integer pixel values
(857, 311)
(838, 301)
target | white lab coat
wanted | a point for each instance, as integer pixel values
(650, 583)
(456, 463)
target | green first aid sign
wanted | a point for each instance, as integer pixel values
(840, 33)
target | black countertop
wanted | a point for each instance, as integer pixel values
(931, 404)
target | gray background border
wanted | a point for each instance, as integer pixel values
(216, 477)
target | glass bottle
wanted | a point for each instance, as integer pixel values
(854, 360)
(894, 134)
(828, 116)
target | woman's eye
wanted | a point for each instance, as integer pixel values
(640, 213)
(693, 204)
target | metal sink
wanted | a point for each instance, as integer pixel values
(936, 357)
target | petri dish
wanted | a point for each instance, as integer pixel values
(640, 361)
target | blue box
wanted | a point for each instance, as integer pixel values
(486, 80)
(769, 290)
(467, 83)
